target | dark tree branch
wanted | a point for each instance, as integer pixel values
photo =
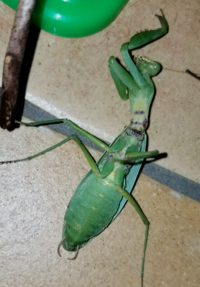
(13, 61)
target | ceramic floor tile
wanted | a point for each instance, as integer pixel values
(70, 78)
(34, 197)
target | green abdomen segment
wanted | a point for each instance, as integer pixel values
(90, 211)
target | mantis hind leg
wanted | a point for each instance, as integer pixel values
(134, 203)
(85, 151)
(88, 135)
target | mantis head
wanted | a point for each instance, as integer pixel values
(147, 66)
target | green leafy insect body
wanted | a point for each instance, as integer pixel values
(103, 192)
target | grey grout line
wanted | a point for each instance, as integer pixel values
(160, 174)
(173, 180)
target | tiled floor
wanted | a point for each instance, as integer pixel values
(34, 198)
(70, 78)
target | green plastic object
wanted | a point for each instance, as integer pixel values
(73, 18)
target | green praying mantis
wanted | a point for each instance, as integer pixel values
(106, 188)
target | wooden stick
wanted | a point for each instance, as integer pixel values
(12, 62)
